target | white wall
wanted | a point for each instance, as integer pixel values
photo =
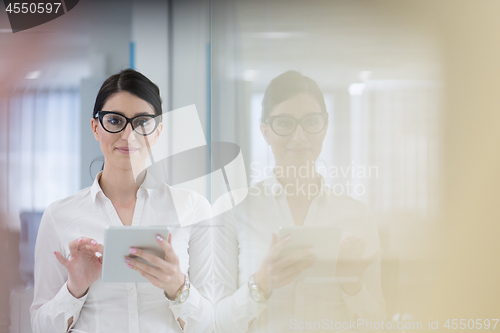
(190, 37)
(150, 37)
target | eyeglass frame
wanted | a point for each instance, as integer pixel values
(100, 115)
(269, 122)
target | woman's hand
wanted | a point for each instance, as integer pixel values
(351, 265)
(167, 274)
(276, 272)
(84, 267)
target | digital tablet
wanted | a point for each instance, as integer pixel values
(117, 244)
(324, 239)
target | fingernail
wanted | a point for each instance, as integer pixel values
(93, 242)
(133, 251)
(288, 238)
(130, 266)
(127, 260)
(79, 240)
(159, 238)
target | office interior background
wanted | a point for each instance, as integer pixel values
(411, 88)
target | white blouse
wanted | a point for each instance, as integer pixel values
(242, 238)
(123, 307)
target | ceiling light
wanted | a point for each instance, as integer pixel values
(250, 75)
(365, 75)
(278, 35)
(33, 75)
(356, 89)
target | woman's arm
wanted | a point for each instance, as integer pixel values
(368, 302)
(234, 309)
(54, 309)
(197, 312)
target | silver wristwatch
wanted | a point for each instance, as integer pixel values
(182, 294)
(256, 293)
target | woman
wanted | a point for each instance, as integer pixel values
(69, 293)
(256, 287)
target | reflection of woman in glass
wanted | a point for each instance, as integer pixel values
(256, 289)
(69, 294)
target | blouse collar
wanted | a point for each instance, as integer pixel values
(147, 185)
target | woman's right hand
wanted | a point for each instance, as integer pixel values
(84, 267)
(276, 272)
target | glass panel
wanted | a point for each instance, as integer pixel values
(378, 68)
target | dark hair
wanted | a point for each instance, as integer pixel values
(133, 82)
(286, 86)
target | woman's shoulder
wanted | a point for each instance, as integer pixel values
(65, 208)
(344, 204)
(346, 200)
(191, 206)
(161, 189)
(75, 199)
(161, 192)
(186, 195)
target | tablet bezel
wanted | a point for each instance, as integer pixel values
(117, 244)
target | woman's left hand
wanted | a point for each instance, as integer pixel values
(351, 264)
(167, 274)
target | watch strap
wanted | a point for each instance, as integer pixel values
(182, 290)
(256, 293)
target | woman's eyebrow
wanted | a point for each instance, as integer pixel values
(144, 113)
(115, 111)
(290, 116)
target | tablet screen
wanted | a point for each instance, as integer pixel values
(117, 244)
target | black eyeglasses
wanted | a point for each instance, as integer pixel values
(286, 125)
(114, 122)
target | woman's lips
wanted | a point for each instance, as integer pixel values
(127, 150)
(299, 150)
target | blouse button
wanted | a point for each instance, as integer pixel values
(133, 315)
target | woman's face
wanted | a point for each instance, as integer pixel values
(299, 147)
(126, 149)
